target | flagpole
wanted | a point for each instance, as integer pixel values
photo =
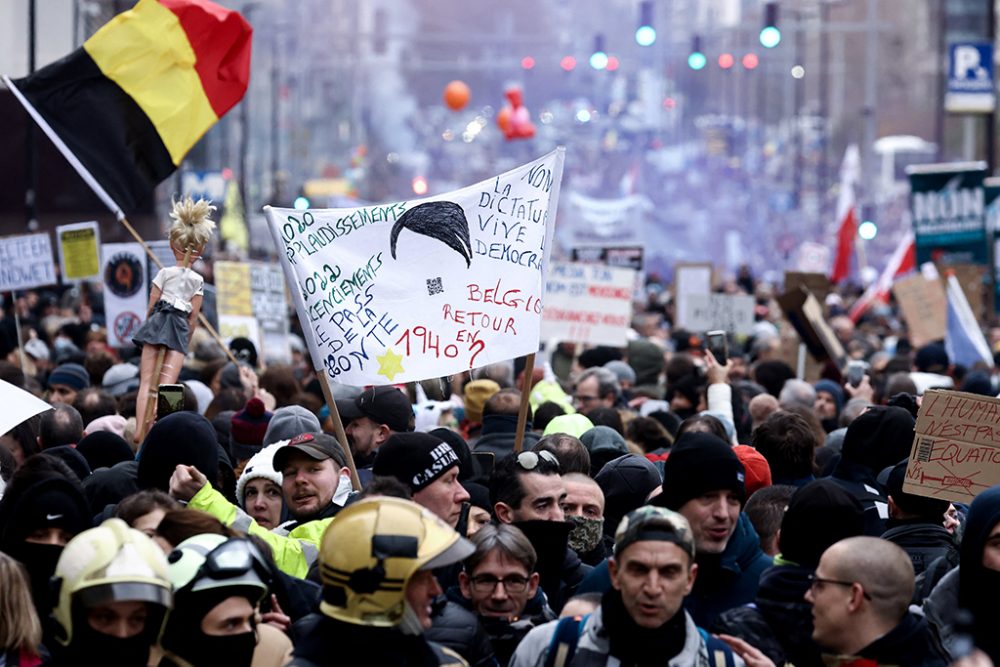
(338, 429)
(103, 196)
(522, 413)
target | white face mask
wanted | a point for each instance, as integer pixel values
(344, 488)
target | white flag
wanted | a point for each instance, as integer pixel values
(425, 288)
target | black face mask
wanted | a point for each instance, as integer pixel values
(40, 562)
(90, 646)
(235, 650)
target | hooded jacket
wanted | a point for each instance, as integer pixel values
(498, 435)
(923, 542)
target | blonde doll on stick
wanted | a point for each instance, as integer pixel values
(174, 303)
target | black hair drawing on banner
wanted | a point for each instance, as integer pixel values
(441, 220)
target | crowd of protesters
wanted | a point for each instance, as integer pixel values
(665, 507)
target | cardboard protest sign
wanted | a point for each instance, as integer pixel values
(956, 450)
(18, 405)
(26, 262)
(418, 289)
(79, 247)
(732, 313)
(817, 283)
(924, 307)
(689, 279)
(126, 298)
(804, 313)
(587, 303)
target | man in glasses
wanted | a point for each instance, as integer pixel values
(527, 490)
(500, 585)
(596, 388)
(860, 594)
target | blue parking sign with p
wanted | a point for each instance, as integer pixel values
(970, 78)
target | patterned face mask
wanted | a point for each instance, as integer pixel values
(586, 533)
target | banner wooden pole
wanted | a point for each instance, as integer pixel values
(522, 413)
(338, 429)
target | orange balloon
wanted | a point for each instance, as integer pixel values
(456, 95)
(503, 118)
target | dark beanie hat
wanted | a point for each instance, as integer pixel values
(71, 375)
(878, 438)
(103, 449)
(930, 509)
(72, 458)
(700, 463)
(479, 496)
(819, 514)
(626, 482)
(415, 459)
(53, 501)
(978, 382)
(468, 468)
(834, 389)
(246, 432)
(181, 437)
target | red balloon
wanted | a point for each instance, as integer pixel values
(456, 95)
(516, 97)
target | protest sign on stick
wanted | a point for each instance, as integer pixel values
(587, 303)
(26, 262)
(79, 251)
(418, 289)
(955, 453)
(689, 279)
(924, 307)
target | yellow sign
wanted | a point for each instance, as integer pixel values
(232, 285)
(78, 251)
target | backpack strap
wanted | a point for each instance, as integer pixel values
(562, 648)
(719, 653)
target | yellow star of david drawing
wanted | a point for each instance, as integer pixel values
(389, 364)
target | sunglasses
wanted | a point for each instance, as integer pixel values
(530, 460)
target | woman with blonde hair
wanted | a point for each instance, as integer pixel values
(174, 304)
(20, 629)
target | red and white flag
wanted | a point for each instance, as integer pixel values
(902, 261)
(847, 213)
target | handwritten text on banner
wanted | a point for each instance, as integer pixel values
(588, 303)
(426, 288)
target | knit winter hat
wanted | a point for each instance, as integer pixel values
(53, 501)
(834, 389)
(476, 394)
(71, 375)
(103, 449)
(415, 459)
(290, 421)
(260, 466)
(757, 468)
(181, 437)
(622, 371)
(248, 427)
(626, 482)
(700, 463)
(121, 379)
(819, 514)
(110, 423)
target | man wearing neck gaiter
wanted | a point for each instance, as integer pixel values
(641, 621)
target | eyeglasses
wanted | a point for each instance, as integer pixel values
(530, 460)
(815, 582)
(486, 583)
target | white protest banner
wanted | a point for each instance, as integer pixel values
(270, 308)
(587, 303)
(125, 296)
(732, 313)
(419, 289)
(18, 405)
(689, 279)
(79, 247)
(26, 262)
(604, 220)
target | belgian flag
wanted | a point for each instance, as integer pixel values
(127, 106)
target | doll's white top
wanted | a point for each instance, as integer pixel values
(178, 286)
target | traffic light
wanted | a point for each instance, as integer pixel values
(697, 59)
(527, 62)
(645, 34)
(568, 63)
(599, 59)
(770, 35)
(867, 229)
(726, 60)
(750, 61)
(301, 203)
